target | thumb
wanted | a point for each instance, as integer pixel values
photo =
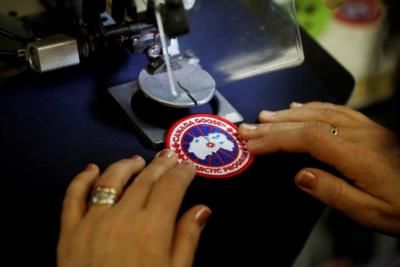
(187, 235)
(338, 194)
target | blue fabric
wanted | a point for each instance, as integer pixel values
(52, 125)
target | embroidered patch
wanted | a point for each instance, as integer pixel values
(212, 143)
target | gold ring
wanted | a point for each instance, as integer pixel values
(103, 195)
(334, 130)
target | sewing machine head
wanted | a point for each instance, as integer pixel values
(84, 27)
(229, 40)
(140, 26)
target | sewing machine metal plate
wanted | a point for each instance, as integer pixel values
(194, 66)
(124, 94)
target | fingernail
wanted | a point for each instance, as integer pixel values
(267, 114)
(249, 127)
(306, 180)
(90, 167)
(202, 216)
(296, 105)
(187, 162)
(168, 153)
(136, 157)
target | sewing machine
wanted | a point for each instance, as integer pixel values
(55, 123)
(174, 81)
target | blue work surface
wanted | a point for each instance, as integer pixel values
(54, 124)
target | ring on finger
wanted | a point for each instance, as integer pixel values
(102, 195)
(334, 130)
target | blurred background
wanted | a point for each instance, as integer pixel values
(364, 36)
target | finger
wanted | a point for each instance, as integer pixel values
(322, 105)
(255, 131)
(137, 193)
(75, 204)
(187, 235)
(316, 139)
(166, 197)
(311, 137)
(340, 195)
(327, 115)
(116, 176)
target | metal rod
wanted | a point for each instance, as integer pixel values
(8, 53)
(165, 50)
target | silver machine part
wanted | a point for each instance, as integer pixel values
(52, 53)
(184, 86)
(193, 86)
(180, 82)
(155, 135)
(163, 39)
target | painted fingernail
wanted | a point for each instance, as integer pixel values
(202, 216)
(266, 114)
(296, 105)
(248, 127)
(136, 157)
(167, 153)
(306, 180)
(90, 167)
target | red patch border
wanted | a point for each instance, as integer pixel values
(224, 176)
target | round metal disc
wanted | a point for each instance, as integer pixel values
(194, 86)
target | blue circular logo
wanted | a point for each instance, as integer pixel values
(212, 143)
(209, 145)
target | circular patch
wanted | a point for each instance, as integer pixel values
(359, 11)
(212, 143)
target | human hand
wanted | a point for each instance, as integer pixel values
(365, 153)
(141, 228)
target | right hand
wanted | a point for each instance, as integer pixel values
(365, 153)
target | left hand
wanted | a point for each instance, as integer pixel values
(141, 229)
